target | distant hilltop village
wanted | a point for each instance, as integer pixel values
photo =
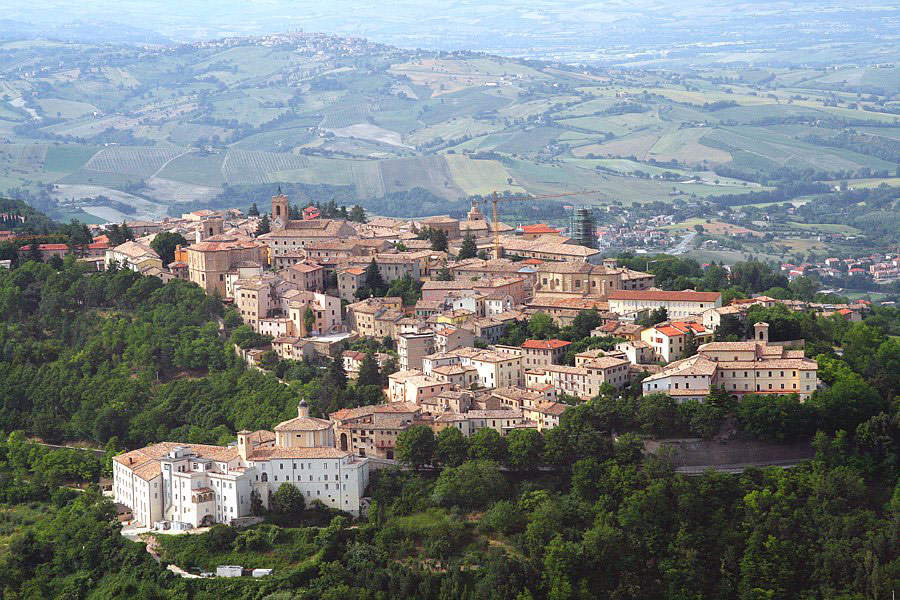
(315, 284)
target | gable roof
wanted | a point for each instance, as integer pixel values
(664, 295)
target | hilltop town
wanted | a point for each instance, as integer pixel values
(459, 320)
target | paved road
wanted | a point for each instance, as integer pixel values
(685, 244)
(737, 467)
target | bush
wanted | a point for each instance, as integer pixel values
(503, 517)
(472, 485)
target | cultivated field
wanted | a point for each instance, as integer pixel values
(248, 167)
(134, 161)
(386, 120)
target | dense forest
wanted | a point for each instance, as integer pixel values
(121, 360)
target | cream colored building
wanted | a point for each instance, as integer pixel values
(741, 368)
(582, 279)
(134, 255)
(679, 305)
(305, 275)
(414, 386)
(413, 347)
(583, 381)
(539, 353)
(669, 340)
(210, 260)
(362, 315)
(372, 431)
(494, 369)
(198, 485)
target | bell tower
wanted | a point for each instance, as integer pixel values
(280, 213)
(761, 332)
(475, 213)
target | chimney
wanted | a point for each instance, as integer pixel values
(303, 409)
(761, 332)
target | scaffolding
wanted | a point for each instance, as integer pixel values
(584, 227)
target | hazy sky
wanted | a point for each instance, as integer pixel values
(513, 26)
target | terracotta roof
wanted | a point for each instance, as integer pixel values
(605, 362)
(305, 267)
(303, 424)
(552, 408)
(728, 346)
(663, 295)
(545, 344)
(219, 245)
(397, 407)
(47, 247)
(145, 461)
(770, 363)
(539, 228)
(508, 413)
(694, 365)
(261, 454)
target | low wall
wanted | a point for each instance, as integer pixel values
(712, 453)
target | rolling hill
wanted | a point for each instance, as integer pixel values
(167, 127)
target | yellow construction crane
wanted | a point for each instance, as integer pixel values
(496, 199)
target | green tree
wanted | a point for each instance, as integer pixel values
(443, 274)
(585, 322)
(264, 226)
(541, 326)
(254, 210)
(288, 500)
(656, 316)
(34, 252)
(658, 416)
(415, 446)
(468, 249)
(487, 444)
(439, 240)
(779, 417)
(368, 371)
(165, 242)
(309, 320)
(472, 485)
(337, 376)
(525, 449)
(690, 345)
(373, 281)
(357, 214)
(847, 403)
(503, 517)
(451, 448)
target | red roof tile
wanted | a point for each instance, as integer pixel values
(545, 344)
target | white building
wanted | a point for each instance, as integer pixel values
(199, 484)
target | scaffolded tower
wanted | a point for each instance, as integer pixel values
(584, 226)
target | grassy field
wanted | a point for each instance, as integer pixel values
(65, 109)
(826, 227)
(480, 176)
(194, 167)
(63, 159)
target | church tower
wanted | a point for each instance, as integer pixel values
(280, 213)
(475, 213)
